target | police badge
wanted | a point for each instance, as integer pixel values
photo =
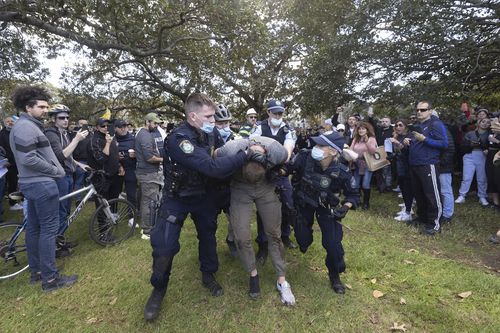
(324, 182)
(186, 146)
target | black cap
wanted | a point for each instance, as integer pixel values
(120, 123)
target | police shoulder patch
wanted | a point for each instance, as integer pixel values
(186, 146)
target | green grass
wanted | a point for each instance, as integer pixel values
(428, 273)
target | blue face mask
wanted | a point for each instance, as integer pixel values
(207, 127)
(225, 132)
(317, 154)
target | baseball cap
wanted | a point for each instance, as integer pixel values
(251, 111)
(153, 117)
(101, 121)
(120, 123)
(340, 127)
(275, 106)
(332, 139)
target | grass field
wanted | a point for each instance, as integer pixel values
(420, 278)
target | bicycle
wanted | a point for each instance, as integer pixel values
(113, 222)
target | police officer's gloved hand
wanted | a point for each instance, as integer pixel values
(257, 156)
(340, 212)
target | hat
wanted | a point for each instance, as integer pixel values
(251, 111)
(153, 117)
(101, 121)
(120, 123)
(275, 106)
(340, 127)
(332, 139)
(483, 110)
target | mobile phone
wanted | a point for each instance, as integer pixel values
(85, 127)
(111, 129)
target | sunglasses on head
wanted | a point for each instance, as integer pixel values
(63, 117)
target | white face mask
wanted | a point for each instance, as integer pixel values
(276, 122)
(318, 154)
(225, 131)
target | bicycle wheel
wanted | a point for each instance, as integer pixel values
(113, 222)
(14, 257)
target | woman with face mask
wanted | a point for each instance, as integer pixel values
(319, 178)
(363, 141)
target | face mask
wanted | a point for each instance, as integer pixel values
(225, 131)
(275, 122)
(206, 127)
(317, 154)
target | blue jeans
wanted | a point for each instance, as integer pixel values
(367, 178)
(65, 186)
(474, 163)
(80, 176)
(41, 230)
(447, 194)
(2, 191)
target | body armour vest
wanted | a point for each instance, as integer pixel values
(280, 136)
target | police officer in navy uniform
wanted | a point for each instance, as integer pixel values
(188, 165)
(319, 178)
(274, 127)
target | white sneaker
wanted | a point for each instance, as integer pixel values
(285, 291)
(460, 200)
(131, 222)
(403, 217)
(400, 195)
(396, 189)
(402, 205)
(16, 207)
(144, 236)
(483, 202)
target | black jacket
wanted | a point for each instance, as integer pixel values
(100, 161)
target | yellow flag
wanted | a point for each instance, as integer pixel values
(107, 114)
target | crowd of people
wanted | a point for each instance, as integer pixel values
(210, 164)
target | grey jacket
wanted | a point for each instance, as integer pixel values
(35, 159)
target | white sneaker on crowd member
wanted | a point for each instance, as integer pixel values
(16, 207)
(131, 222)
(404, 217)
(483, 202)
(402, 205)
(396, 189)
(285, 291)
(144, 236)
(460, 199)
(400, 195)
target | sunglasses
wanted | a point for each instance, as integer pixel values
(340, 130)
(252, 117)
(62, 118)
(400, 125)
(103, 126)
(422, 110)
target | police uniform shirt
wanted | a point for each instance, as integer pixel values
(290, 137)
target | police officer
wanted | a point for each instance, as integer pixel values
(319, 177)
(274, 127)
(188, 164)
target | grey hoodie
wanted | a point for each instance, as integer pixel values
(35, 159)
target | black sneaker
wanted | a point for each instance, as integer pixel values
(232, 248)
(209, 282)
(254, 290)
(445, 220)
(431, 231)
(337, 285)
(59, 282)
(287, 242)
(153, 305)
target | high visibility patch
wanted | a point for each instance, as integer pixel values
(186, 146)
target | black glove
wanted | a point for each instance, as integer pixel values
(256, 156)
(340, 212)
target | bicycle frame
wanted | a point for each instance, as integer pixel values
(91, 191)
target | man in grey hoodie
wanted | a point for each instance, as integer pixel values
(38, 168)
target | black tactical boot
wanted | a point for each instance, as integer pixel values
(261, 255)
(153, 305)
(366, 199)
(337, 285)
(254, 291)
(211, 284)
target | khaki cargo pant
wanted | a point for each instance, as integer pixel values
(263, 194)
